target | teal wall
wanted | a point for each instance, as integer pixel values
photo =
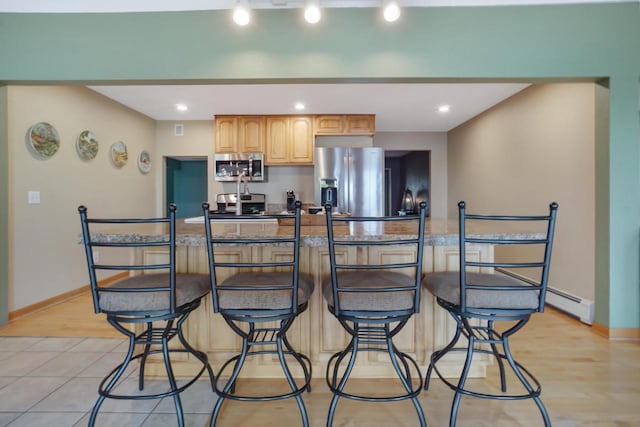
(186, 186)
(4, 208)
(529, 43)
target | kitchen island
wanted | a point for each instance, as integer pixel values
(316, 333)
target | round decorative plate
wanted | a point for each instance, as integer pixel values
(119, 154)
(87, 145)
(144, 161)
(43, 139)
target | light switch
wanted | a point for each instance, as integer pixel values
(34, 197)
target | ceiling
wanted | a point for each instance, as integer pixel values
(93, 6)
(398, 107)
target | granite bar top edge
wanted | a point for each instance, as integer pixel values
(314, 236)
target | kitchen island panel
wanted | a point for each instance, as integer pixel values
(315, 332)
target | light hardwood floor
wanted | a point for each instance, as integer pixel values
(586, 379)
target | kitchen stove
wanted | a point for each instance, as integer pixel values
(254, 203)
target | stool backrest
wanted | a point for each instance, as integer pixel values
(286, 260)
(159, 233)
(369, 232)
(528, 258)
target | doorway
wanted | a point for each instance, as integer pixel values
(186, 185)
(406, 172)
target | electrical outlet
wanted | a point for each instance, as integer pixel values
(96, 256)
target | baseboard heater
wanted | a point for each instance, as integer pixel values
(573, 305)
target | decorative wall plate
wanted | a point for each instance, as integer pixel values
(43, 140)
(119, 154)
(87, 145)
(144, 161)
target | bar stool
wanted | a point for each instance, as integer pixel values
(259, 298)
(153, 297)
(483, 294)
(373, 301)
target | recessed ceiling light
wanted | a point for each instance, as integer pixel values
(299, 106)
(241, 15)
(181, 107)
(391, 11)
(444, 108)
(312, 12)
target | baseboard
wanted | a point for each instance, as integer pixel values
(617, 334)
(573, 305)
(580, 308)
(49, 302)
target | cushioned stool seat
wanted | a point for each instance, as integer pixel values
(259, 300)
(189, 287)
(380, 301)
(446, 286)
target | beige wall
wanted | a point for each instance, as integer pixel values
(535, 148)
(436, 143)
(45, 258)
(198, 141)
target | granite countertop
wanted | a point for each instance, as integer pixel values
(438, 232)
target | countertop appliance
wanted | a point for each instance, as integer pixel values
(352, 179)
(227, 166)
(253, 203)
(291, 201)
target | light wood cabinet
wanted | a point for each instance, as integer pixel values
(285, 140)
(251, 134)
(240, 134)
(345, 124)
(226, 134)
(289, 140)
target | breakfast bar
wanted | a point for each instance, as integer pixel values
(316, 333)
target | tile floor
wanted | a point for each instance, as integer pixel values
(53, 382)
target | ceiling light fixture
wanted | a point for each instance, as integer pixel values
(391, 11)
(299, 106)
(312, 12)
(444, 108)
(181, 107)
(241, 13)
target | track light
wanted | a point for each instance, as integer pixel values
(241, 13)
(312, 12)
(391, 11)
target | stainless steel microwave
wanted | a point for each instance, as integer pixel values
(228, 166)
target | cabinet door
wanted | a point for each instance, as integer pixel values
(329, 125)
(251, 134)
(226, 134)
(276, 145)
(359, 125)
(301, 144)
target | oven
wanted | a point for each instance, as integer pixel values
(253, 203)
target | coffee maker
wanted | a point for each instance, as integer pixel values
(291, 201)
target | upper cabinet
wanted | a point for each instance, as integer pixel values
(226, 134)
(285, 140)
(289, 140)
(240, 134)
(345, 124)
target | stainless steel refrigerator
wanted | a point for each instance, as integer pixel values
(351, 178)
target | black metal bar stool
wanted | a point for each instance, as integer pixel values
(494, 292)
(374, 301)
(260, 298)
(153, 296)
